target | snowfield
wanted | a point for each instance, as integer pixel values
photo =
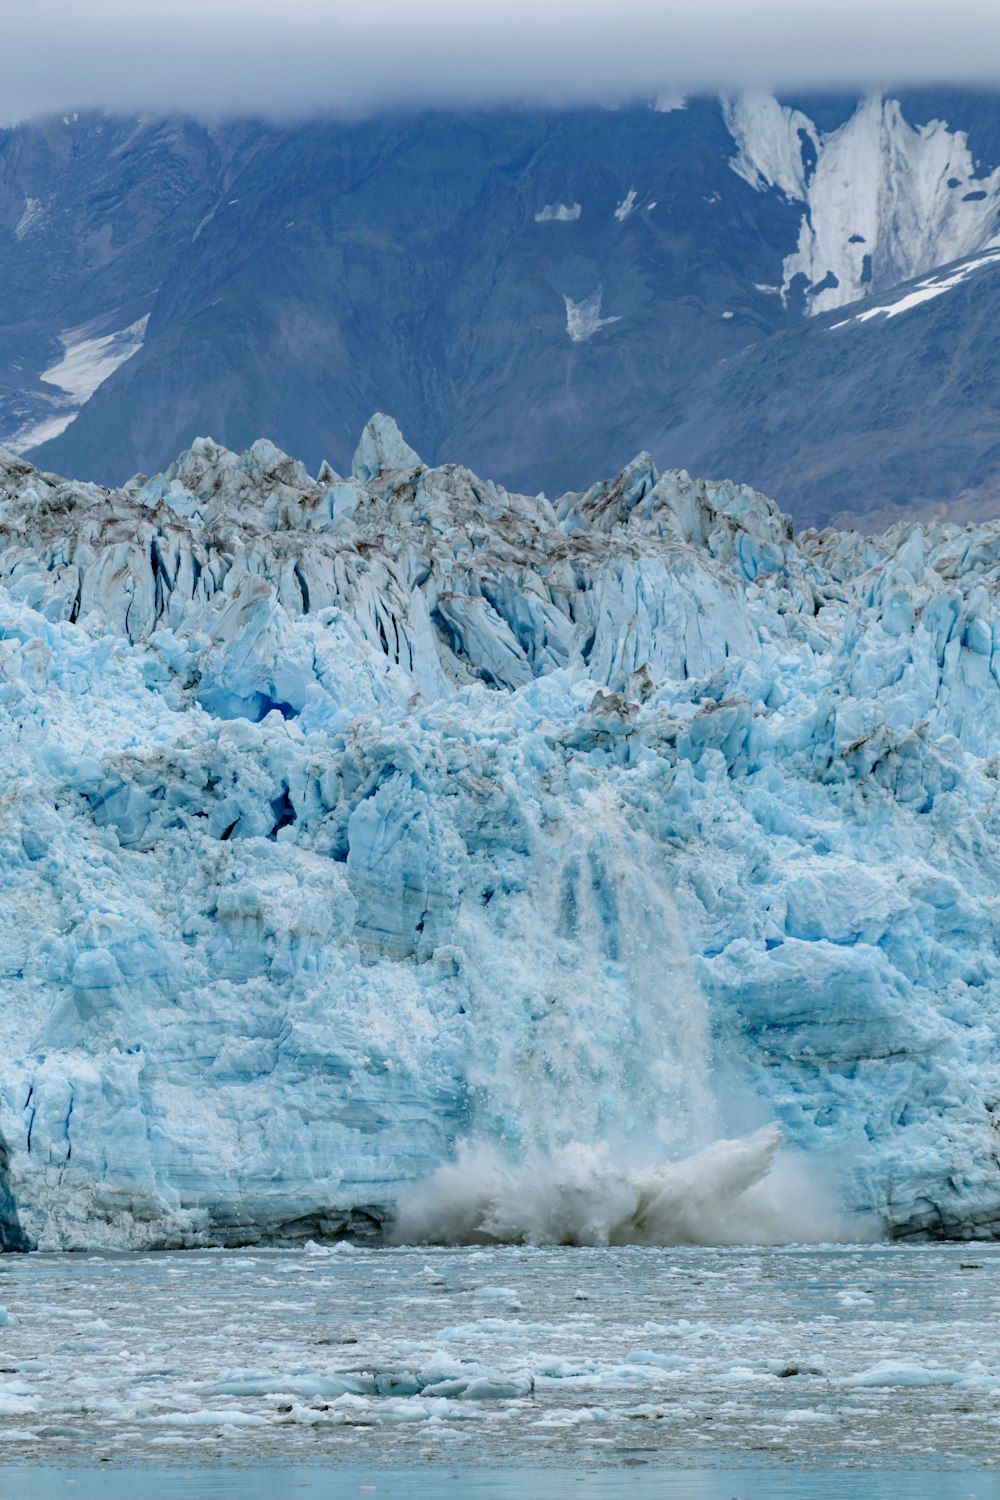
(392, 845)
(885, 201)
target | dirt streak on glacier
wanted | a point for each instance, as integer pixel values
(354, 827)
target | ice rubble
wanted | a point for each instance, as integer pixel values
(346, 819)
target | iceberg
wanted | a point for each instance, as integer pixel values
(360, 827)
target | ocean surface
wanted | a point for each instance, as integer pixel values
(715, 1373)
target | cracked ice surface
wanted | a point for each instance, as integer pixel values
(346, 819)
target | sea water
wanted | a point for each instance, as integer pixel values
(327, 1369)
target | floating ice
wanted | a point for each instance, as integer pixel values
(255, 1356)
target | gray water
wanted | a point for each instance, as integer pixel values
(536, 1484)
(597, 1372)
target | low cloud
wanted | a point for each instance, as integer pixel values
(245, 56)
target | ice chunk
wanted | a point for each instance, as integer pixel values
(383, 448)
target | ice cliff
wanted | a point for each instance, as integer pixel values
(346, 820)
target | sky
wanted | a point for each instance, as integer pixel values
(296, 56)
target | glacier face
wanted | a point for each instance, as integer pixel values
(348, 819)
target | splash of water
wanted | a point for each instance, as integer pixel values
(729, 1193)
(593, 1121)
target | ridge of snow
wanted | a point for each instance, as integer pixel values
(924, 291)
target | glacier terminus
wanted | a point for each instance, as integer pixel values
(392, 854)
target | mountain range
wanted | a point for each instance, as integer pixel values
(799, 294)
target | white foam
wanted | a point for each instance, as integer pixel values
(578, 1195)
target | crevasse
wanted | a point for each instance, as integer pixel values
(355, 826)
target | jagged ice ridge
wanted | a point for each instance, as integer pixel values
(349, 820)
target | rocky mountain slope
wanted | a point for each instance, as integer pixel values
(539, 294)
(349, 819)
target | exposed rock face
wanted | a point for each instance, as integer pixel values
(347, 818)
(537, 293)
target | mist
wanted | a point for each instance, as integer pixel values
(245, 57)
(742, 1191)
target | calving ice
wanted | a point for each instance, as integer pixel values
(359, 828)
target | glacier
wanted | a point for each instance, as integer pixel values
(354, 824)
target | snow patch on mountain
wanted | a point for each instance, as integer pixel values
(770, 137)
(924, 291)
(87, 362)
(559, 213)
(583, 319)
(31, 216)
(626, 206)
(884, 201)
